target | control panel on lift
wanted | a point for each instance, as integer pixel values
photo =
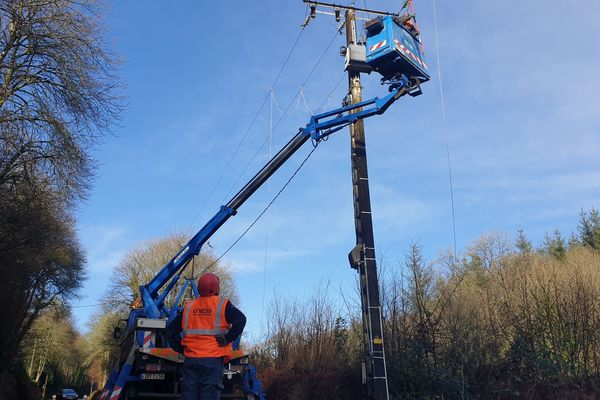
(393, 47)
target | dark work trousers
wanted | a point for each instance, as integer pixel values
(202, 378)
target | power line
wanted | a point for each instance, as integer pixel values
(289, 180)
(265, 141)
(269, 138)
(237, 149)
(87, 305)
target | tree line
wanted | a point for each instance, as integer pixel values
(505, 321)
(59, 96)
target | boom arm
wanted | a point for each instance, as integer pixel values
(319, 127)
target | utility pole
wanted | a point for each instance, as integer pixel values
(362, 257)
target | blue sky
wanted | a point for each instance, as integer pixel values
(521, 95)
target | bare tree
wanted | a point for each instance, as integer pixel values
(58, 96)
(53, 347)
(57, 92)
(41, 263)
(142, 263)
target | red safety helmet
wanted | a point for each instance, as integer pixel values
(208, 285)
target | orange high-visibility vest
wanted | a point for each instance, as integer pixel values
(204, 318)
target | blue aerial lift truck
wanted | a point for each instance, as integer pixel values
(147, 367)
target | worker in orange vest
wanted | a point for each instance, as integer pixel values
(207, 327)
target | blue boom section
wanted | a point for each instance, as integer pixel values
(392, 48)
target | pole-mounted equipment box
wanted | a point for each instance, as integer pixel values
(355, 58)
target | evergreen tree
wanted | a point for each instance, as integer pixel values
(523, 244)
(589, 228)
(555, 245)
(574, 241)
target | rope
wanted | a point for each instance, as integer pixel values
(443, 105)
(310, 112)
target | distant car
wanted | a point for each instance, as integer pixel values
(68, 394)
